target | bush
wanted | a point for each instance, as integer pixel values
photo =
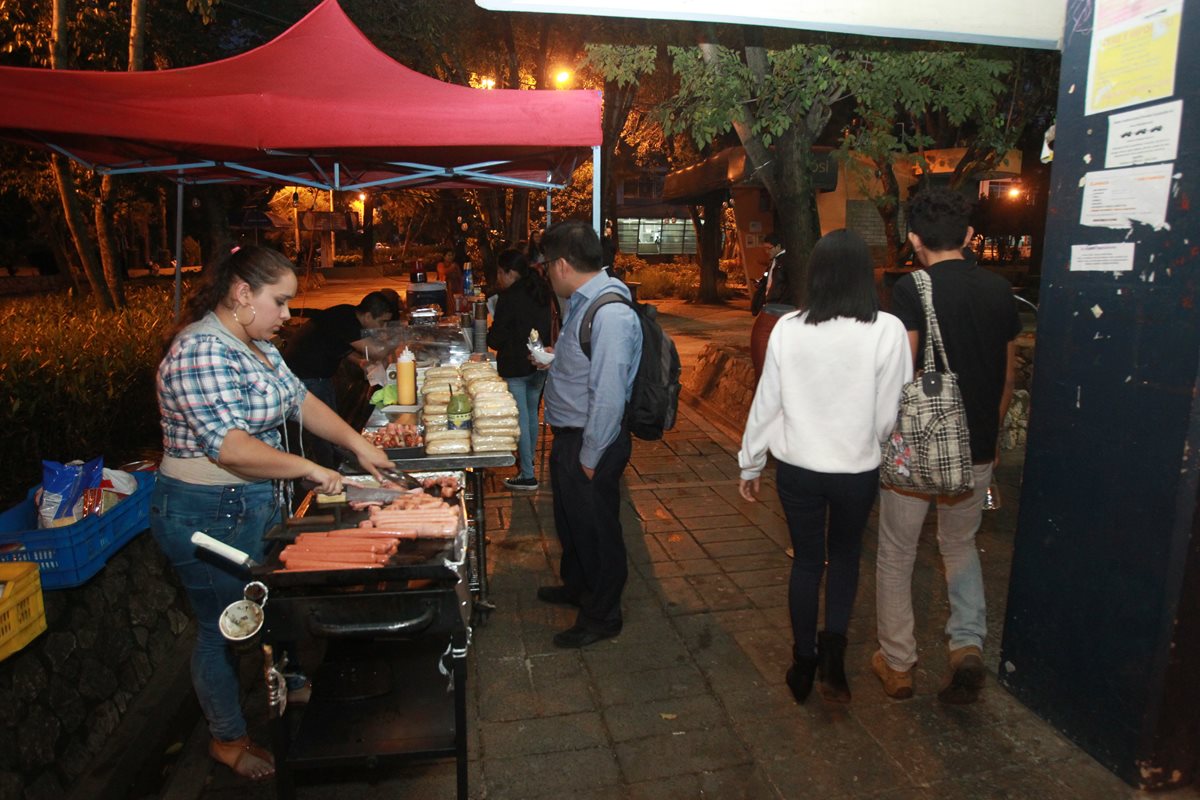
(680, 278)
(78, 382)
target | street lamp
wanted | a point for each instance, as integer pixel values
(562, 78)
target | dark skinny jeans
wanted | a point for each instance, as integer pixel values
(811, 500)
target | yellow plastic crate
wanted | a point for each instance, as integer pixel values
(22, 615)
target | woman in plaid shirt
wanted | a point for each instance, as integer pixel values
(224, 393)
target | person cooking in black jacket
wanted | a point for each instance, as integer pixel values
(522, 305)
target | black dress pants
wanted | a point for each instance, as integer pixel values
(587, 519)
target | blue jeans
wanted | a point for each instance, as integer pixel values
(527, 391)
(237, 516)
(826, 514)
(901, 517)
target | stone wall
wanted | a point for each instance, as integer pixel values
(62, 696)
(723, 379)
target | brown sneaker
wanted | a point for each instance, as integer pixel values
(897, 684)
(967, 675)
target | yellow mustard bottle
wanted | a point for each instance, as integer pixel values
(406, 378)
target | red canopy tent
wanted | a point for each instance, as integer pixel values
(318, 106)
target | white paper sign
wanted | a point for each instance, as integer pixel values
(1116, 198)
(1144, 136)
(1102, 257)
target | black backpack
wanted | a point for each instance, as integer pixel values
(655, 398)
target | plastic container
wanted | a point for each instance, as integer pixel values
(70, 555)
(22, 614)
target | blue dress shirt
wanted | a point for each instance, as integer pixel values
(591, 394)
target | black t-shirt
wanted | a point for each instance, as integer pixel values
(323, 341)
(978, 318)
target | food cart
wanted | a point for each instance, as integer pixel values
(385, 645)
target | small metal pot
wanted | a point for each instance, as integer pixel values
(242, 619)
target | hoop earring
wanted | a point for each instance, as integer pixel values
(253, 314)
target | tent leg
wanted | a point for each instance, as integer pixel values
(596, 189)
(549, 212)
(178, 248)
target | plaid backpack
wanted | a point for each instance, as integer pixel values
(929, 451)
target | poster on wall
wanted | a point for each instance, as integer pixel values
(1117, 257)
(1116, 198)
(1135, 45)
(1144, 135)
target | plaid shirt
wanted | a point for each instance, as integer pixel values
(209, 384)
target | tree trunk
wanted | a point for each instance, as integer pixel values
(79, 232)
(795, 205)
(108, 250)
(708, 238)
(216, 238)
(65, 181)
(617, 103)
(518, 218)
(137, 36)
(368, 231)
(888, 206)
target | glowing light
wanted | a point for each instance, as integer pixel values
(562, 78)
(1014, 192)
(361, 197)
(487, 83)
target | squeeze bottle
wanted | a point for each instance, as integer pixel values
(406, 378)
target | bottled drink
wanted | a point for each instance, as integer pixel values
(458, 411)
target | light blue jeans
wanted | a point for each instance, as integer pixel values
(900, 519)
(527, 391)
(237, 516)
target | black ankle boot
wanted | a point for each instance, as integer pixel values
(800, 677)
(831, 667)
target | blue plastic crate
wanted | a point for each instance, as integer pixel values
(70, 555)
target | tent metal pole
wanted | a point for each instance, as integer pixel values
(549, 211)
(596, 188)
(178, 247)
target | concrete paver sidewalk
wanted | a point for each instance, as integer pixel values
(689, 700)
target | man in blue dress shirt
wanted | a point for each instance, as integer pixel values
(585, 407)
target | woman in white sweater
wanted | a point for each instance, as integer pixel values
(828, 397)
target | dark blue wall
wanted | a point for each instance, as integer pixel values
(1103, 620)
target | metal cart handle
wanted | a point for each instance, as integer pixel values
(335, 630)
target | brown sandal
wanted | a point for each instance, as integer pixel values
(244, 757)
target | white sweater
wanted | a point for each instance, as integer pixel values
(828, 396)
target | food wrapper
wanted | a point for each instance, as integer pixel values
(70, 492)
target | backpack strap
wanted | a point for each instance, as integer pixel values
(585, 325)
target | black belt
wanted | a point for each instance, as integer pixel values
(559, 430)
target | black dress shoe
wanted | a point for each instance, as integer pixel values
(578, 636)
(558, 595)
(800, 676)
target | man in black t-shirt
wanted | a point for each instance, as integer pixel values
(979, 323)
(327, 337)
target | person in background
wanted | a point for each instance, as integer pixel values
(773, 286)
(450, 272)
(978, 320)
(585, 407)
(328, 336)
(522, 305)
(224, 393)
(827, 399)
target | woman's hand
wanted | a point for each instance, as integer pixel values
(371, 458)
(749, 490)
(328, 481)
